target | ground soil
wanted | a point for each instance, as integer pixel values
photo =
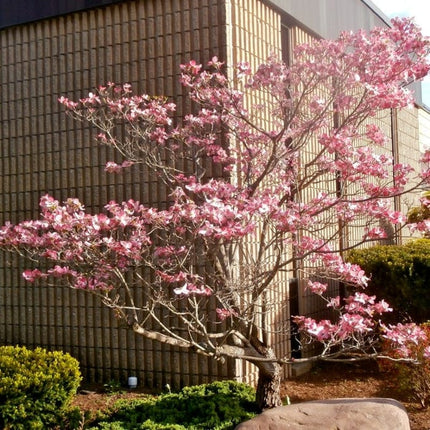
(346, 380)
(323, 382)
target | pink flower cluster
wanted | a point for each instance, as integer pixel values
(237, 182)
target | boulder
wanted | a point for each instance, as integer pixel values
(334, 414)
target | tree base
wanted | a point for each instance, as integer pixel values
(269, 390)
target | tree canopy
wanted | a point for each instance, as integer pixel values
(205, 271)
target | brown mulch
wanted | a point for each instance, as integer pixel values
(323, 382)
(348, 380)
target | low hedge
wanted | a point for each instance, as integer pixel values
(36, 387)
(400, 275)
(215, 406)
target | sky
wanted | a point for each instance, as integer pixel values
(420, 11)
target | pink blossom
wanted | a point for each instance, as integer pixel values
(375, 233)
(317, 287)
(32, 275)
(191, 289)
(404, 335)
(182, 291)
(223, 313)
(375, 134)
(321, 330)
(192, 67)
(60, 271)
(382, 306)
(172, 278)
(243, 69)
(68, 103)
(334, 302)
(353, 323)
(113, 167)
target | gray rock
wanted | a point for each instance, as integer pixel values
(334, 414)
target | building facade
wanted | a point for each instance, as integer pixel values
(58, 49)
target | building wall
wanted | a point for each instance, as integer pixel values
(327, 18)
(254, 33)
(424, 128)
(42, 151)
(408, 137)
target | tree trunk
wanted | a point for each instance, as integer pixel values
(269, 372)
(269, 387)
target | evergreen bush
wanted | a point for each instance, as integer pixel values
(399, 274)
(36, 387)
(215, 406)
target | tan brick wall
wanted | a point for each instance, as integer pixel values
(424, 128)
(408, 136)
(42, 151)
(254, 33)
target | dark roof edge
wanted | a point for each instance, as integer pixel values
(18, 12)
(372, 6)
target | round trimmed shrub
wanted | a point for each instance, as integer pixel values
(399, 274)
(36, 387)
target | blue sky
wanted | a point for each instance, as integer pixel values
(420, 11)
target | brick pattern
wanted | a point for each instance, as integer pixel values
(409, 148)
(43, 151)
(254, 33)
(424, 128)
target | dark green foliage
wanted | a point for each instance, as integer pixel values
(36, 387)
(400, 275)
(216, 406)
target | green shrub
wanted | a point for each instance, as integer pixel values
(36, 387)
(217, 406)
(399, 274)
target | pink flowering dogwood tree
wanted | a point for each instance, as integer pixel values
(184, 274)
